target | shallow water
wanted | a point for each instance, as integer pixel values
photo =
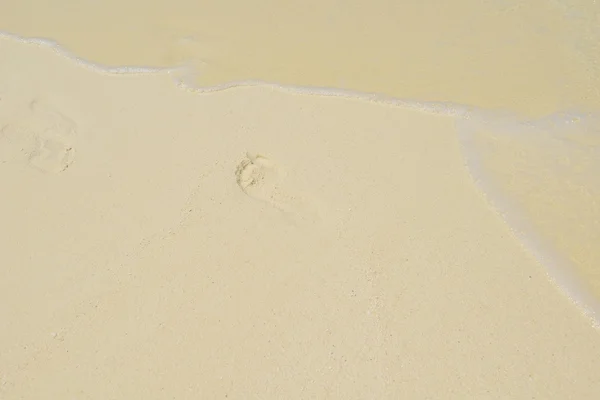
(533, 58)
(523, 79)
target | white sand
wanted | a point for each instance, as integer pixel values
(145, 255)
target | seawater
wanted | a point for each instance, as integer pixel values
(541, 175)
(535, 57)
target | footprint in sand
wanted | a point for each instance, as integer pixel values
(263, 179)
(40, 137)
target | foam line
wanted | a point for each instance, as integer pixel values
(439, 108)
(56, 47)
(183, 77)
(559, 270)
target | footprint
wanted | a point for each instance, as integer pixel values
(41, 137)
(263, 179)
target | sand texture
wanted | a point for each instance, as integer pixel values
(295, 200)
(256, 243)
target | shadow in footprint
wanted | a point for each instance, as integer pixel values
(263, 179)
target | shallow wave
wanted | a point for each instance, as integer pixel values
(556, 130)
(563, 147)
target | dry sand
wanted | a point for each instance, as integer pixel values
(258, 242)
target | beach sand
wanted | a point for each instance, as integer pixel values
(270, 242)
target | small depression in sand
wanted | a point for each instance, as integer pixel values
(40, 137)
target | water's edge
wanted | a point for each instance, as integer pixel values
(559, 269)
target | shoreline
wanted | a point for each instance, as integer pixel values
(561, 271)
(361, 260)
(540, 51)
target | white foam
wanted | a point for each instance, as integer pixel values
(186, 82)
(56, 47)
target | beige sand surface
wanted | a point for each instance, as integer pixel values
(529, 58)
(255, 243)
